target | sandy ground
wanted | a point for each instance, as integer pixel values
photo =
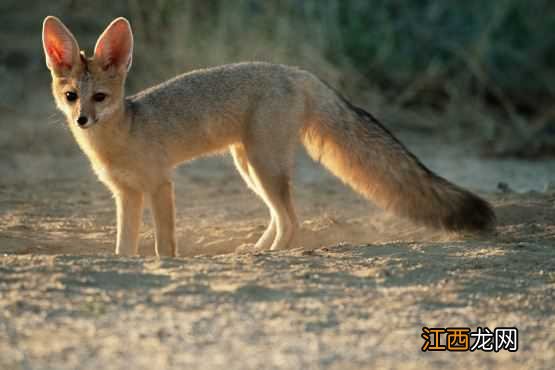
(354, 293)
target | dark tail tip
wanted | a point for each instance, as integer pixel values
(472, 213)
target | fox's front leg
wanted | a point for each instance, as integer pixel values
(163, 210)
(129, 204)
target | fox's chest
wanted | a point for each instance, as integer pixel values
(118, 170)
(124, 163)
(139, 176)
(114, 176)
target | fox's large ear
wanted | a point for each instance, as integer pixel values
(60, 47)
(114, 47)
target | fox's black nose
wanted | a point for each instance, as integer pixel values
(82, 120)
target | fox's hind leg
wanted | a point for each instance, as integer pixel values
(241, 162)
(269, 142)
(273, 184)
(269, 170)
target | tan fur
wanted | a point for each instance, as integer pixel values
(259, 111)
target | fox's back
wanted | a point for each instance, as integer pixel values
(208, 110)
(229, 91)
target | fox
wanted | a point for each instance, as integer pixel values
(258, 111)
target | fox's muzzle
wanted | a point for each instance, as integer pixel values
(84, 122)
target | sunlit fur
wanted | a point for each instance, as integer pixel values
(258, 111)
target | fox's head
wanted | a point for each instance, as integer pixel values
(88, 90)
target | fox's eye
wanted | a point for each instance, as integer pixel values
(98, 97)
(71, 96)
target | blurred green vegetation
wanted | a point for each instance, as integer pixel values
(483, 69)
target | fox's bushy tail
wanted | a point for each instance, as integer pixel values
(354, 146)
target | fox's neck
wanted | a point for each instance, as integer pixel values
(104, 141)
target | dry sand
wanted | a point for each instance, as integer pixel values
(353, 294)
